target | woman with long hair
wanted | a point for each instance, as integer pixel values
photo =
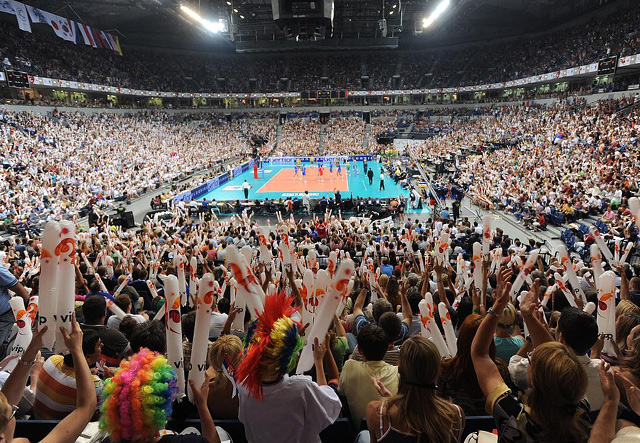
(458, 380)
(554, 409)
(222, 403)
(416, 413)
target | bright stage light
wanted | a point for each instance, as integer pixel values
(444, 4)
(210, 26)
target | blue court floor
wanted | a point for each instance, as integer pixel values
(279, 182)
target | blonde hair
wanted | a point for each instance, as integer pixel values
(631, 361)
(508, 317)
(626, 307)
(558, 384)
(425, 414)
(225, 346)
(626, 320)
(383, 280)
(4, 404)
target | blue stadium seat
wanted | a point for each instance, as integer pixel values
(568, 238)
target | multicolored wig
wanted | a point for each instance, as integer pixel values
(137, 399)
(271, 346)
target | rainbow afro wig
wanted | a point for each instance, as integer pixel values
(271, 346)
(137, 399)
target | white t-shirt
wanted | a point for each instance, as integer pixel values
(217, 323)
(293, 410)
(114, 322)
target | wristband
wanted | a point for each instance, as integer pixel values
(494, 313)
(27, 363)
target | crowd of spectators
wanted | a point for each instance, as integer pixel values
(300, 136)
(344, 136)
(386, 359)
(61, 164)
(38, 54)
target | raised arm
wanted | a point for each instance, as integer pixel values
(359, 303)
(200, 396)
(14, 386)
(69, 429)
(529, 305)
(297, 302)
(604, 429)
(624, 284)
(407, 315)
(487, 372)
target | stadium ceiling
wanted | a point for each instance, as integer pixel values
(159, 23)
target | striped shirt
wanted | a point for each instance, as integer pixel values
(56, 390)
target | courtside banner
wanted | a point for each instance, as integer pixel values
(212, 184)
(325, 159)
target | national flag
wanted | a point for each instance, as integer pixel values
(63, 27)
(7, 6)
(98, 38)
(22, 16)
(36, 15)
(86, 34)
(115, 43)
(105, 39)
(230, 372)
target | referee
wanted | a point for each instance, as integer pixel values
(245, 188)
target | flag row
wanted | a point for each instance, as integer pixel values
(64, 28)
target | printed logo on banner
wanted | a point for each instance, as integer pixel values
(300, 194)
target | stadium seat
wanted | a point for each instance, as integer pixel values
(339, 432)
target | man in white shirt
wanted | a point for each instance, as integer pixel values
(218, 320)
(123, 302)
(245, 188)
(276, 407)
(306, 202)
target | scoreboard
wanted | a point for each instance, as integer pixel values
(16, 79)
(323, 94)
(608, 65)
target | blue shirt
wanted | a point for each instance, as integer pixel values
(386, 269)
(7, 281)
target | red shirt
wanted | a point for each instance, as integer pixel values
(322, 230)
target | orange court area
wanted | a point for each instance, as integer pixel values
(286, 181)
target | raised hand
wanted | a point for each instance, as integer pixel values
(530, 302)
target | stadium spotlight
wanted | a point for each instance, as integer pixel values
(444, 4)
(210, 26)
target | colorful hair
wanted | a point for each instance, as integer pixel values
(271, 345)
(137, 399)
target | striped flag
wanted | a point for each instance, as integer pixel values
(105, 40)
(115, 43)
(97, 38)
(87, 36)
